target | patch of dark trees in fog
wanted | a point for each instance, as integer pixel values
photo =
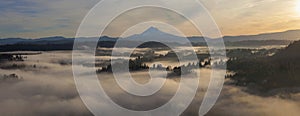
(10, 78)
(261, 71)
(139, 64)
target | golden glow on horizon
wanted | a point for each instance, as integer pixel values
(298, 7)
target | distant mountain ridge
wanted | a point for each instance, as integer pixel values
(155, 34)
(51, 40)
(291, 35)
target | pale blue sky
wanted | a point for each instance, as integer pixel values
(41, 18)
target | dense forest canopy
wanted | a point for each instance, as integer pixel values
(269, 72)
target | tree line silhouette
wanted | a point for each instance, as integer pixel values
(139, 64)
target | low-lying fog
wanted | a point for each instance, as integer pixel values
(49, 89)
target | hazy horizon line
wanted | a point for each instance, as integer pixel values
(263, 33)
